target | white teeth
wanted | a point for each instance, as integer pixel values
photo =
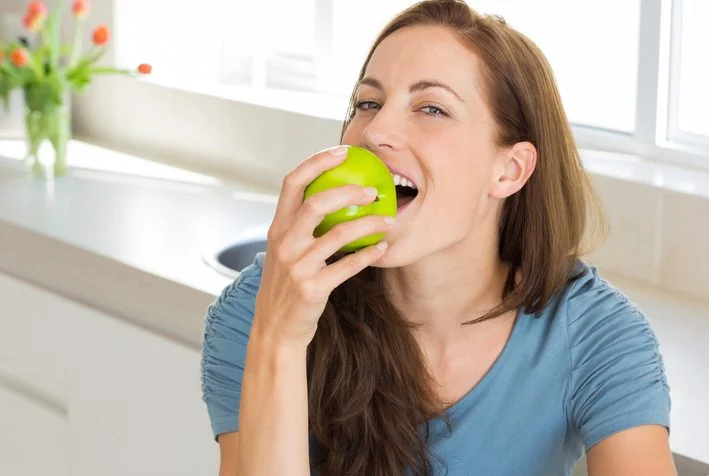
(399, 180)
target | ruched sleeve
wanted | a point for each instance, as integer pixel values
(226, 334)
(617, 372)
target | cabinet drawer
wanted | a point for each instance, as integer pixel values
(33, 437)
(34, 331)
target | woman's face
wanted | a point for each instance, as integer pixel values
(420, 108)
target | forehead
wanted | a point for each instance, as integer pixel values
(425, 52)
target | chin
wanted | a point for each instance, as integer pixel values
(387, 261)
(396, 257)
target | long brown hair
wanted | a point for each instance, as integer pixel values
(370, 395)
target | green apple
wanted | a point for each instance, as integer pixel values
(361, 167)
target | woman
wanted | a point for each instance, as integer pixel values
(474, 341)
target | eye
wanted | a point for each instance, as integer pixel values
(365, 105)
(434, 111)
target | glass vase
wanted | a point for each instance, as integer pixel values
(47, 131)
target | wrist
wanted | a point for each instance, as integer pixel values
(268, 344)
(269, 338)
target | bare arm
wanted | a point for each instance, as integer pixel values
(642, 451)
(274, 411)
(228, 450)
(294, 288)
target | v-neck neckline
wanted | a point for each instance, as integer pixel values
(489, 377)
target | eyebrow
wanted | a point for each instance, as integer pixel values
(417, 86)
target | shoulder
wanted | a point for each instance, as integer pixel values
(617, 378)
(226, 334)
(599, 317)
(594, 308)
(248, 279)
(589, 294)
(234, 307)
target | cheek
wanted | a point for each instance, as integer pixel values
(461, 183)
(353, 133)
(463, 167)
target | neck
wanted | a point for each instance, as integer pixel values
(442, 291)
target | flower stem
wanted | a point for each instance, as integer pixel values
(56, 34)
(76, 49)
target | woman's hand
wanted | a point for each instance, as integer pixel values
(296, 280)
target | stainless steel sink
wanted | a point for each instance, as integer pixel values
(235, 257)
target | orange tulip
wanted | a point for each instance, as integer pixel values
(19, 57)
(2, 56)
(34, 21)
(100, 35)
(145, 68)
(28, 21)
(80, 8)
(37, 8)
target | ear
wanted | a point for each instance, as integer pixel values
(514, 167)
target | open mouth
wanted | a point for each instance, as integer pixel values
(406, 190)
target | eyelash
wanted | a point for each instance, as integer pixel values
(440, 113)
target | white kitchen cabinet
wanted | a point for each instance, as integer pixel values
(34, 328)
(83, 393)
(135, 404)
(33, 436)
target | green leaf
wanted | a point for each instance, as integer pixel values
(35, 67)
(17, 77)
(45, 95)
(4, 91)
(85, 63)
(39, 56)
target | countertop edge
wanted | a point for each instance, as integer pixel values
(151, 302)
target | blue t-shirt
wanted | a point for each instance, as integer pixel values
(585, 367)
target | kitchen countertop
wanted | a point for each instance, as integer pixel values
(134, 248)
(130, 246)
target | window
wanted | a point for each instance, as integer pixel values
(594, 54)
(596, 73)
(182, 42)
(689, 86)
(355, 27)
(632, 73)
(281, 52)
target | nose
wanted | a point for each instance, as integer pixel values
(384, 131)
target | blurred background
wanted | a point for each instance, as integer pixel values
(106, 272)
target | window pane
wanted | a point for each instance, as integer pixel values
(356, 25)
(266, 50)
(253, 27)
(592, 47)
(694, 69)
(179, 40)
(218, 40)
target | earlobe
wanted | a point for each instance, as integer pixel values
(516, 167)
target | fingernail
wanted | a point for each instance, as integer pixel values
(389, 220)
(371, 192)
(382, 245)
(339, 150)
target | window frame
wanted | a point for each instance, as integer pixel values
(656, 134)
(674, 132)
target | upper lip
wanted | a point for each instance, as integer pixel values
(395, 171)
